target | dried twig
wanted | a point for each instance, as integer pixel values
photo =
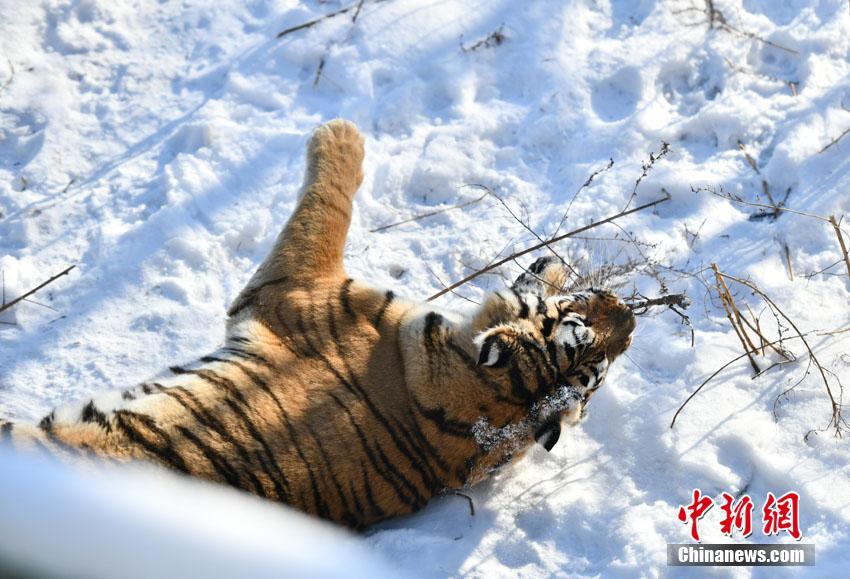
(673, 302)
(639, 307)
(747, 34)
(545, 243)
(584, 185)
(764, 185)
(734, 317)
(761, 75)
(527, 227)
(787, 251)
(21, 298)
(430, 213)
(824, 271)
(748, 157)
(495, 38)
(841, 243)
(723, 194)
(309, 24)
(357, 12)
(442, 283)
(716, 19)
(719, 370)
(646, 168)
(835, 140)
(319, 70)
(712, 12)
(755, 326)
(836, 420)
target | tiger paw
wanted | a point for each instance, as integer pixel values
(335, 156)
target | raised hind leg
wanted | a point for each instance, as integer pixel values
(310, 247)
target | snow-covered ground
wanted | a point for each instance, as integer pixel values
(159, 147)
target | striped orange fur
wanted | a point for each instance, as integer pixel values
(346, 401)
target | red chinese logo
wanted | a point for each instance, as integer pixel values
(739, 515)
(778, 514)
(695, 511)
(782, 514)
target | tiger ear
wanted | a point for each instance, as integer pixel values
(546, 277)
(495, 346)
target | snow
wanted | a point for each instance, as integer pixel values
(141, 523)
(159, 147)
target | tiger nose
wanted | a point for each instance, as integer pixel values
(625, 318)
(622, 325)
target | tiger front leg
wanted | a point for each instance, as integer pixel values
(310, 247)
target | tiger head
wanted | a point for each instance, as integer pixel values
(553, 353)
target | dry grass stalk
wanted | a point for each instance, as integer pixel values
(723, 194)
(527, 227)
(734, 317)
(310, 23)
(646, 168)
(835, 140)
(429, 214)
(319, 70)
(23, 297)
(718, 371)
(584, 185)
(841, 243)
(755, 326)
(765, 187)
(837, 421)
(787, 252)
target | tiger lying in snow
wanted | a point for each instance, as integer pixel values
(346, 401)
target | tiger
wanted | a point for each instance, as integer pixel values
(347, 402)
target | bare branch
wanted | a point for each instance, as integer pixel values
(430, 213)
(319, 70)
(545, 243)
(680, 300)
(442, 283)
(21, 298)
